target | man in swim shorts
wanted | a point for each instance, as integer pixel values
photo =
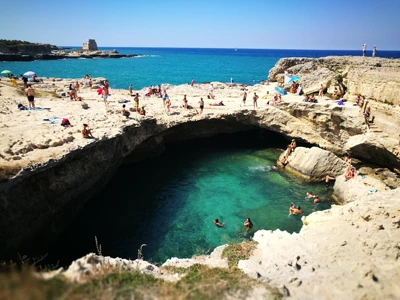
(30, 93)
(244, 98)
(255, 97)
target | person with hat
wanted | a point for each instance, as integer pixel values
(293, 144)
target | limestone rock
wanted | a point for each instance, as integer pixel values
(377, 78)
(360, 238)
(371, 149)
(314, 163)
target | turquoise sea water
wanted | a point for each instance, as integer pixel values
(175, 65)
(170, 202)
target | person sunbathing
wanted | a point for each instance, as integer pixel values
(217, 104)
(86, 132)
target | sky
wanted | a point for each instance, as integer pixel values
(264, 24)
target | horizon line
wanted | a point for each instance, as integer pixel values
(244, 48)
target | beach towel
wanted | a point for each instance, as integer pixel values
(40, 108)
(53, 120)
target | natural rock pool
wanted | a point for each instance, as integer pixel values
(169, 202)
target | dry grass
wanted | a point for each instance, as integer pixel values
(200, 282)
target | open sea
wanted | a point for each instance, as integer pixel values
(175, 65)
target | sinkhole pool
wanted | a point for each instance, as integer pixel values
(169, 202)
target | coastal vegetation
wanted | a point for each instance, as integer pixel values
(15, 42)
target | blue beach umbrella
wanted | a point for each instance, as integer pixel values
(294, 78)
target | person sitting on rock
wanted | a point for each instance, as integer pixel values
(335, 93)
(349, 174)
(306, 98)
(216, 222)
(124, 112)
(284, 161)
(185, 102)
(142, 111)
(312, 99)
(86, 132)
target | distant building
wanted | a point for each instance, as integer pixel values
(90, 45)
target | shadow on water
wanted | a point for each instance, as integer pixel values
(169, 202)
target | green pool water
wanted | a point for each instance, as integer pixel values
(169, 202)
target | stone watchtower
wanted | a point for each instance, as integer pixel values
(90, 45)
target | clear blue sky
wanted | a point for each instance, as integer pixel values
(278, 24)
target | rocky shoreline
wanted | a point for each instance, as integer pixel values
(59, 172)
(21, 57)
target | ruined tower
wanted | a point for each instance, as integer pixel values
(90, 45)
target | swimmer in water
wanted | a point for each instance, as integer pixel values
(248, 224)
(297, 211)
(291, 208)
(216, 222)
(310, 195)
(317, 200)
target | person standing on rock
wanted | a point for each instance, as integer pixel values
(30, 93)
(105, 96)
(255, 97)
(130, 89)
(364, 50)
(192, 83)
(321, 92)
(136, 100)
(244, 98)
(201, 102)
(374, 51)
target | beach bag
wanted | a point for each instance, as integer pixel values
(65, 122)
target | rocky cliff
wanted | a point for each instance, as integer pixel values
(376, 78)
(26, 49)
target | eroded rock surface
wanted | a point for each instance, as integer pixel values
(377, 78)
(346, 252)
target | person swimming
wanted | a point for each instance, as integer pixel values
(310, 195)
(218, 224)
(248, 224)
(297, 211)
(317, 200)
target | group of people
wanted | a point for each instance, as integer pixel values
(364, 50)
(310, 99)
(248, 224)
